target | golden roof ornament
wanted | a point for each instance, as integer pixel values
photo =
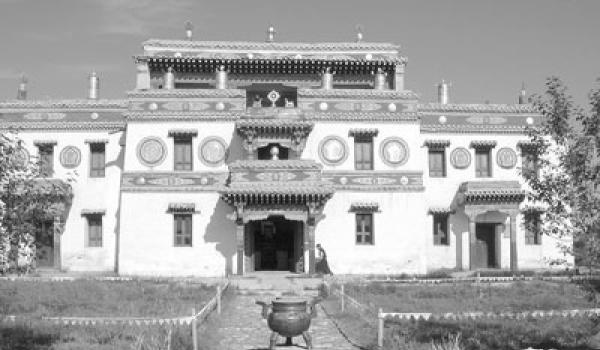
(359, 33)
(189, 27)
(271, 34)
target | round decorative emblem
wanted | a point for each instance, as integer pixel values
(394, 151)
(404, 180)
(333, 150)
(151, 151)
(70, 157)
(343, 180)
(369, 56)
(529, 120)
(212, 151)
(152, 106)
(21, 157)
(94, 115)
(392, 107)
(460, 158)
(273, 96)
(506, 158)
(323, 106)
(220, 106)
(442, 119)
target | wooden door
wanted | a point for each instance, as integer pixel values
(44, 239)
(485, 246)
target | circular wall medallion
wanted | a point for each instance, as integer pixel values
(333, 150)
(460, 158)
(151, 151)
(323, 106)
(70, 157)
(506, 158)
(212, 151)
(392, 107)
(394, 151)
(21, 157)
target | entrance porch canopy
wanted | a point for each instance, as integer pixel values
(479, 197)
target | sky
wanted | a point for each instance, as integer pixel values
(485, 48)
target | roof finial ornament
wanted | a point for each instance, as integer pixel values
(271, 34)
(359, 33)
(523, 95)
(22, 91)
(189, 27)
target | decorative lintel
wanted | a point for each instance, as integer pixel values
(364, 207)
(177, 208)
(86, 212)
(183, 133)
(483, 144)
(45, 142)
(371, 132)
(437, 144)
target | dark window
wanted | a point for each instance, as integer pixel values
(440, 230)
(530, 163)
(364, 228)
(46, 160)
(363, 153)
(183, 153)
(437, 163)
(183, 230)
(97, 159)
(533, 233)
(483, 166)
(94, 232)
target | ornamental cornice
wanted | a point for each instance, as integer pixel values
(62, 125)
(187, 116)
(474, 129)
(275, 124)
(360, 116)
(436, 143)
(55, 105)
(295, 164)
(189, 93)
(477, 108)
(485, 192)
(358, 94)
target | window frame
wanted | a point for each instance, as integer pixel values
(438, 240)
(363, 164)
(48, 151)
(97, 172)
(88, 232)
(362, 234)
(488, 153)
(530, 162)
(187, 141)
(442, 151)
(533, 221)
(182, 234)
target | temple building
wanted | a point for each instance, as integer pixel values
(236, 157)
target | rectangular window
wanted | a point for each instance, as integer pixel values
(533, 234)
(97, 159)
(183, 230)
(364, 228)
(46, 160)
(437, 163)
(530, 164)
(183, 153)
(483, 165)
(94, 232)
(363, 153)
(440, 230)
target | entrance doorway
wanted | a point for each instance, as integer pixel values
(275, 244)
(485, 246)
(44, 241)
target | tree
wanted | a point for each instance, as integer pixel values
(567, 186)
(26, 199)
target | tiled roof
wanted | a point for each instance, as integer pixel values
(357, 93)
(363, 132)
(477, 108)
(436, 143)
(274, 164)
(181, 208)
(492, 191)
(440, 211)
(187, 93)
(370, 207)
(280, 188)
(183, 133)
(63, 104)
(93, 211)
(274, 123)
(483, 143)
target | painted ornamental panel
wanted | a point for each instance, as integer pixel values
(460, 158)
(151, 151)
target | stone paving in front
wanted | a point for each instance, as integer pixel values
(241, 327)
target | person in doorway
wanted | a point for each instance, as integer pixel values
(322, 267)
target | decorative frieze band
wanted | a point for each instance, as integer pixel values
(375, 181)
(172, 181)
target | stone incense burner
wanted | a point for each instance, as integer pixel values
(289, 317)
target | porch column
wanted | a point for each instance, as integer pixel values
(56, 234)
(513, 242)
(310, 244)
(239, 237)
(472, 241)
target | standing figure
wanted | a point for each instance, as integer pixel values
(322, 267)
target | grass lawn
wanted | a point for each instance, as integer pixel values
(98, 299)
(102, 298)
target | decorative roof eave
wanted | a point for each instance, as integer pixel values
(188, 93)
(478, 108)
(85, 212)
(440, 211)
(220, 46)
(279, 126)
(271, 193)
(182, 133)
(59, 105)
(363, 132)
(181, 208)
(182, 115)
(91, 125)
(298, 164)
(358, 94)
(527, 145)
(92, 141)
(489, 192)
(438, 144)
(362, 116)
(483, 144)
(45, 142)
(364, 207)
(474, 129)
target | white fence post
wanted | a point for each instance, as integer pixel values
(194, 329)
(381, 321)
(219, 299)
(342, 297)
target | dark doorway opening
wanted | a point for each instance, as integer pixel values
(266, 153)
(44, 244)
(485, 246)
(276, 245)
(257, 95)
